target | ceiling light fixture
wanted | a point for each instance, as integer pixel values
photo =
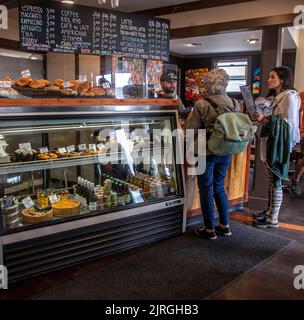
(114, 3)
(252, 40)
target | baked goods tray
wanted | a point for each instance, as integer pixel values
(37, 165)
(83, 211)
(45, 93)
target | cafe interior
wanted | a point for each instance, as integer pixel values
(140, 246)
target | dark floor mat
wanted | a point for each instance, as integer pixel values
(182, 267)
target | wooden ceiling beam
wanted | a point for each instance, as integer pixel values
(232, 26)
(190, 6)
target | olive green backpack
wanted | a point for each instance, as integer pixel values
(231, 133)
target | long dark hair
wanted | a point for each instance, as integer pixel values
(285, 74)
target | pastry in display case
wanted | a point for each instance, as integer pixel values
(34, 216)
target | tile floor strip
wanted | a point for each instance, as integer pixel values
(245, 218)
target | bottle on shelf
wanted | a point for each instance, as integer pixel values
(102, 179)
(78, 187)
(88, 191)
(146, 191)
(92, 198)
(127, 195)
(107, 201)
(107, 187)
(172, 185)
(114, 199)
(152, 190)
(99, 196)
(121, 198)
(84, 186)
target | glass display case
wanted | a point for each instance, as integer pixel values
(65, 171)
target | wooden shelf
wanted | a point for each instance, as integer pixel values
(65, 102)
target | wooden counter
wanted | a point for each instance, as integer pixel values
(61, 102)
(236, 184)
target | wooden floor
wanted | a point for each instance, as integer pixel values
(274, 279)
(271, 280)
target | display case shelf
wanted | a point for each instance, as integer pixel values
(19, 167)
(78, 127)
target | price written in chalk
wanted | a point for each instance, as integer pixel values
(92, 31)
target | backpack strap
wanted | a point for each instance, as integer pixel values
(216, 106)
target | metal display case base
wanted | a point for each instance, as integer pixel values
(43, 254)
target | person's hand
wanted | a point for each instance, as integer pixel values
(256, 116)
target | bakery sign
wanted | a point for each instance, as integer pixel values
(3, 17)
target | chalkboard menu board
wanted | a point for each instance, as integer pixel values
(94, 31)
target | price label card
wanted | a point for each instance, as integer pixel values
(44, 150)
(101, 146)
(28, 202)
(82, 147)
(106, 85)
(25, 146)
(62, 150)
(83, 78)
(66, 85)
(53, 198)
(26, 73)
(92, 147)
(70, 148)
(5, 84)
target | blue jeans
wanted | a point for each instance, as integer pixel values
(211, 185)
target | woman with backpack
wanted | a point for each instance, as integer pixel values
(211, 182)
(279, 134)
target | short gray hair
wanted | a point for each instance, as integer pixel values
(216, 81)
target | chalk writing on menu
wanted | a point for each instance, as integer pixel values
(87, 30)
